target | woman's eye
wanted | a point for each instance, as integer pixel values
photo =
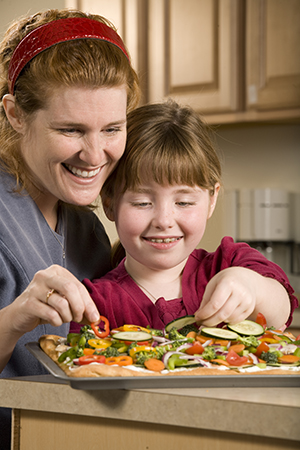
(112, 130)
(69, 130)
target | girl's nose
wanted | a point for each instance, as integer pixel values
(163, 217)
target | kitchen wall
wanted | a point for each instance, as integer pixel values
(253, 155)
(12, 9)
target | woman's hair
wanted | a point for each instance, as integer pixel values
(90, 63)
(168, 144)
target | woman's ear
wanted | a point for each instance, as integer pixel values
(14, 119)
(108, 208)
(213, 200)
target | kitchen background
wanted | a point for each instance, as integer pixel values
(238, 63)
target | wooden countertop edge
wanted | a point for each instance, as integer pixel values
(205, 411)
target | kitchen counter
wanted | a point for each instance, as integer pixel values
(48, 414)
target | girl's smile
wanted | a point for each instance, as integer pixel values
(161, 225)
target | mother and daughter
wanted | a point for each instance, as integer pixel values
(62, 131)
(161, 195)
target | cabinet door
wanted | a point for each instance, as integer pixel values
(273, 54)
(194, 52)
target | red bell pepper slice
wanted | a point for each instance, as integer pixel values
(261, 320)
(88, 359)
(95, 328)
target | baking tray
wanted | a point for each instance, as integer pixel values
(200, 381)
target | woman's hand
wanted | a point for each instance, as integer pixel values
(54, 296)
(237, 293)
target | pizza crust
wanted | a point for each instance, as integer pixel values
(49, 343)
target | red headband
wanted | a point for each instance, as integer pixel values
(54, 32)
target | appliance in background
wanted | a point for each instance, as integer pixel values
(269, 220)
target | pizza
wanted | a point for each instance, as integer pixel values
(181, 348)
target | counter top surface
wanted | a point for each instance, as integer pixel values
(269, 412)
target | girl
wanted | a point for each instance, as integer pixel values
(161, 194)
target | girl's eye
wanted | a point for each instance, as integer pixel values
(141, 204)
(183, 204)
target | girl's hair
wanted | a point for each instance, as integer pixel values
(168, 144)
(89, 63)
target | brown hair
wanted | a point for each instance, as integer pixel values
(90, 63)
(166, 143)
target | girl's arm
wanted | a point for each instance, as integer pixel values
(237, 293)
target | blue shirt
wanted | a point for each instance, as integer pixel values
(28, 244)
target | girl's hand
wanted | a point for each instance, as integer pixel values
(230, 296)
(54, 296)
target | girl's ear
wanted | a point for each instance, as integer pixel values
(9, 106)
(213, 200)
(108, 208)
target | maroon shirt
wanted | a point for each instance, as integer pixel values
(118, 298)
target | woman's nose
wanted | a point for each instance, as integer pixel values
(92, 150)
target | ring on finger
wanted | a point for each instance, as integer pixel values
(49, 293)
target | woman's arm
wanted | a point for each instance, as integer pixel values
(69, 301)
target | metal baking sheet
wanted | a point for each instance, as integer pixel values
(200, 381)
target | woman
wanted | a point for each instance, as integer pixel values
(66, 86)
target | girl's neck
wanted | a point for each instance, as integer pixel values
(157, 283)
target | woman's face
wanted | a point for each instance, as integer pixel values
(71, 146)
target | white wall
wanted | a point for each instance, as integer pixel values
(255, 156)
(13, 9)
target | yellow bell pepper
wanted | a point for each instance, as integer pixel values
(135, 328)
(99, 343)
(141, 348)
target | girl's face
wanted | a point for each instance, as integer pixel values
(159, 226)
(71, 146)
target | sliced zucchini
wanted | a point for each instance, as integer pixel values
(180, 323)
(219, 333)
(133, 336)
(247, 328)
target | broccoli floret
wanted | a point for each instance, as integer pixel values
(108, 352)
(141, 357)
(85, 328)
(188, 328)
(180, 342)
(269, 357)
(209, 353)
(174, 335)
(155, 332)
(161, 350)
(249, 341)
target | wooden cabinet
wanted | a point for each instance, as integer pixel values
(194, 53)
(232, 60)
(272, 54)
